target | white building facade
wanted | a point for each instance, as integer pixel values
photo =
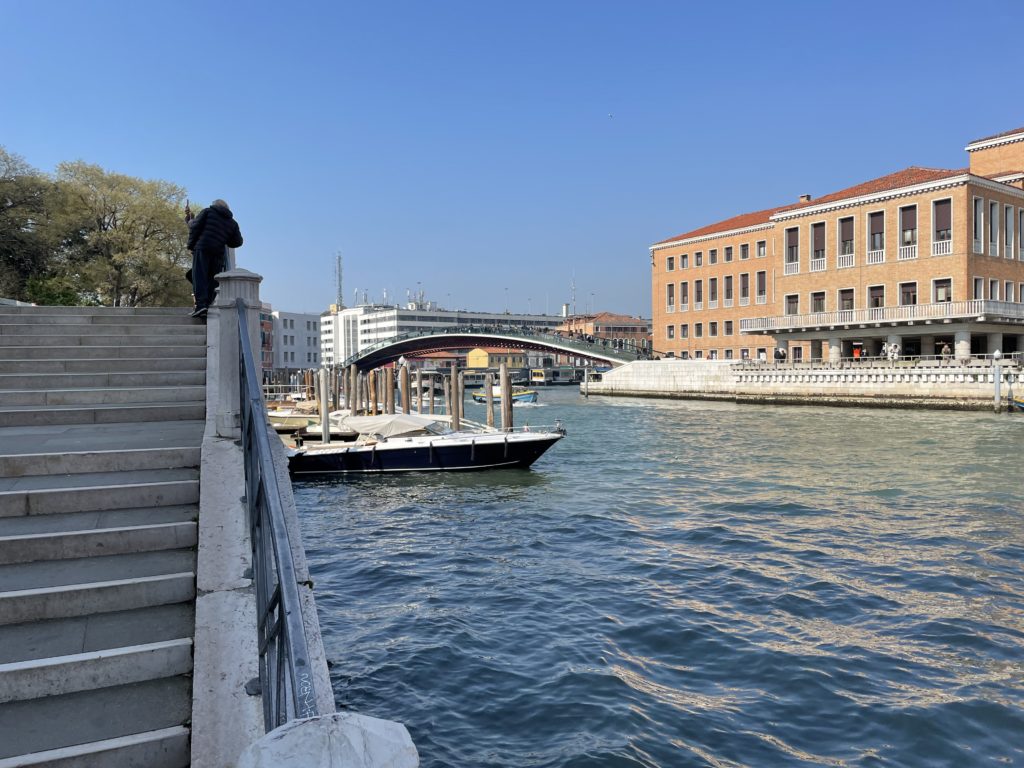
(296, 341)
(353, 330)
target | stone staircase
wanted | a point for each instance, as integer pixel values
(101, 422)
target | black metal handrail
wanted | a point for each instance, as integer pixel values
(286, 677)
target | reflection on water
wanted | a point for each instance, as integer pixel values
(687, 583)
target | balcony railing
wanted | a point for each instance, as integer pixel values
(844, 260)
(993, 248)
(670, 307)
(976, 310)
(876, 257)
(744, 301)
(907, 252)
(698, 305)
(713, 304)
(726, 302)
(978, 246)
(684, 306)
(762, 298)
(942, 247)
(793, 268)
(817, 265)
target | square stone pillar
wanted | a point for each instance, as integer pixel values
(222, 334)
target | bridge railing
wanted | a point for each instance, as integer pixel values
(584, 348)
(286, 678)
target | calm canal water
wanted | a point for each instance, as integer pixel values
(690, 584)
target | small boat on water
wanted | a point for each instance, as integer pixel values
(409, 442)
(518, 396)
(1017, 403)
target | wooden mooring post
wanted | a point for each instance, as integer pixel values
(489, 384)
(506, 398)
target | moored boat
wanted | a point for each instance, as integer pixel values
(419, 443)
(518, 396)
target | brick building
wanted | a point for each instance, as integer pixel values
(922, 258)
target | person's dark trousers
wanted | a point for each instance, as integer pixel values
(204, 266)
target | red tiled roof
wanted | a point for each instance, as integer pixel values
(736, 222)
(998, 136)
(908, 177)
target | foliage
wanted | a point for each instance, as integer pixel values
(89, 236)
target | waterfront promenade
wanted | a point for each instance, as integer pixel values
(132, 629)
(969, 384)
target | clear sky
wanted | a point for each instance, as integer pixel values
(491, 154)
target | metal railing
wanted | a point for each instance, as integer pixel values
(602, 348)
(973, 310)
(286, 678)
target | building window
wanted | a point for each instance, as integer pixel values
(744, 286)
(698, 258)
(979, 225)
(1020, 235)
(1008, 291)
(713, 256)
(793, 246)
(745, 251)
(684, 331)
(846, 299)
(762, 248)
(943, 290)
(762, 287)
(876, 231)
(818, 301)
(698, 330)
(1020, 293)
(728, 354)
(712, 329)
(908, 294)
(993, 290)
(670, 297)
(684, 261)
(713, 292)
(684, 296)
(670, 264)
(1008, 231)
(846, 236)
(698, 294)
(727, 289)
(670, 331)
(908, 225)
(943, 215)
(728, 327)
(979, 288)
(818, 240)
(876, 296)
(793, 304)
(728, 253)
(993, 228)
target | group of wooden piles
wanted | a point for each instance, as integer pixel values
(374, 392)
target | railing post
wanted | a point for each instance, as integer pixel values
(223, 317)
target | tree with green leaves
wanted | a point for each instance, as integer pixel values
(126, 237)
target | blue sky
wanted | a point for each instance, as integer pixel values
(491, 154)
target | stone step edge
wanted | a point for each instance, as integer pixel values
(87, 462)
(59, 675)
(65, 594)
(71, 545)
(78, 755)
(35, 501)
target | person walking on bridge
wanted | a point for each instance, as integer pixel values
(210, 234)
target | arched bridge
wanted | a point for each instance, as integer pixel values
(410, 344)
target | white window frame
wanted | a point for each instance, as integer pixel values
(993, 228)
(993, 289)
(942, 247)
(935, 282)
(978, 288)
(1009, 241)
(978, 224)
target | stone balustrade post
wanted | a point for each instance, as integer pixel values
(222, 320)
(835, 351)
(962, 342)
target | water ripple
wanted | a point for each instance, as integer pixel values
(690, 584)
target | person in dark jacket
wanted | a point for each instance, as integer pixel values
(210, 234)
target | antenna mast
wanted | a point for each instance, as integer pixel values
(337, 279)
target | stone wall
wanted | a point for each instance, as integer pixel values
(908, 383)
